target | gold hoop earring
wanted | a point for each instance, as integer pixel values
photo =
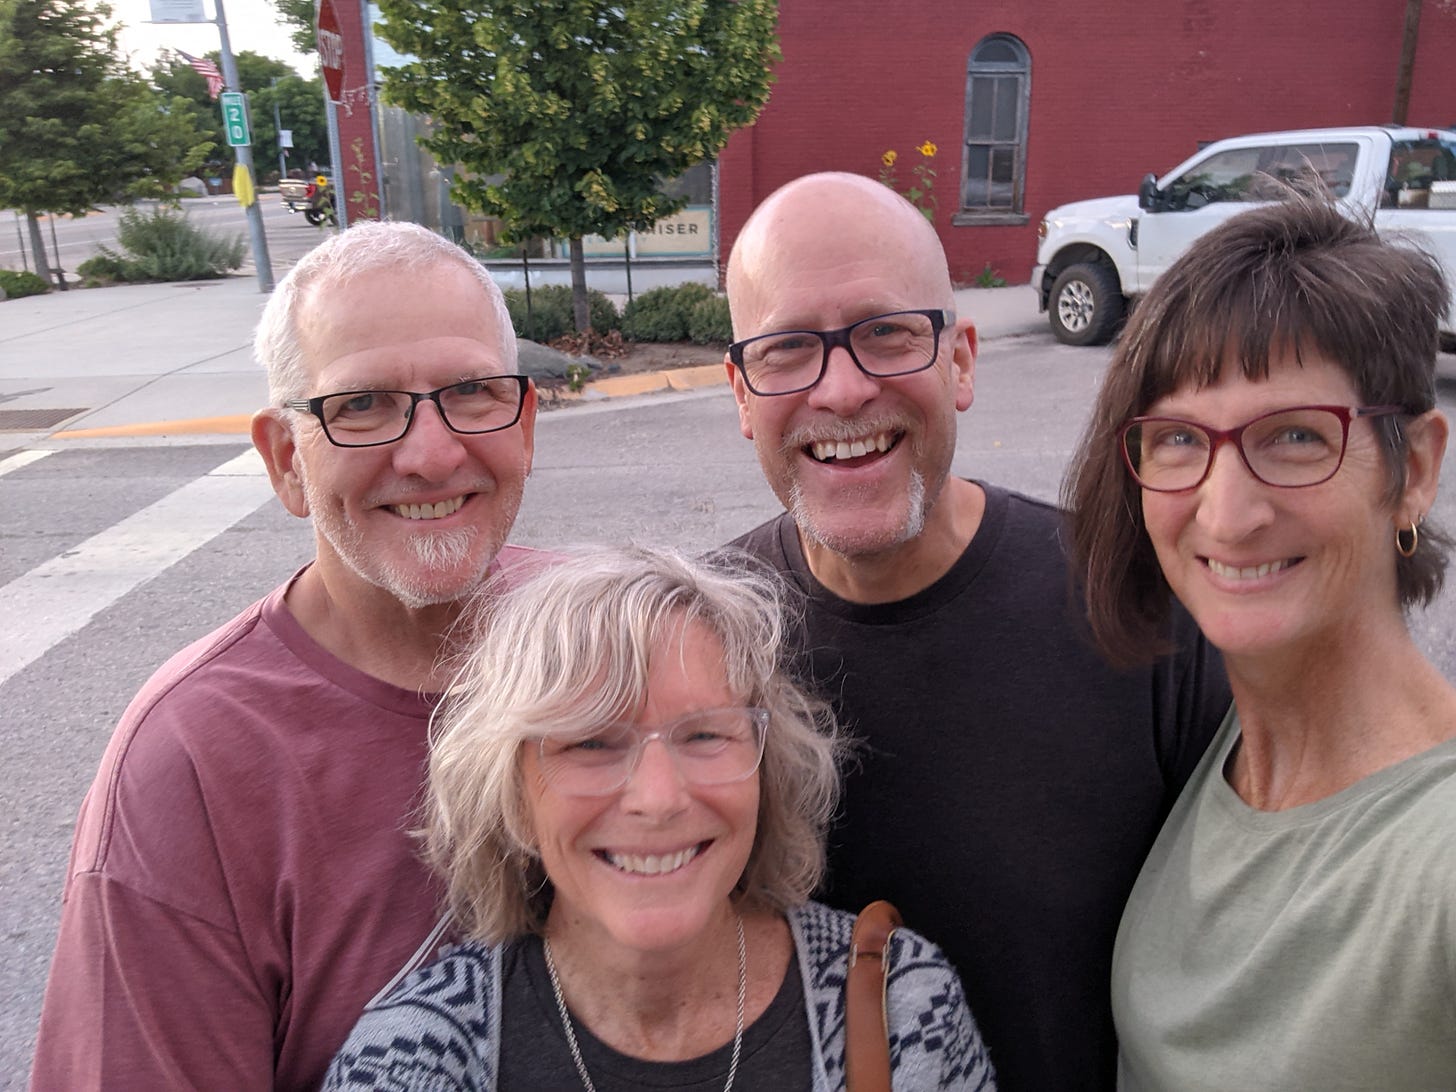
(1415, 540)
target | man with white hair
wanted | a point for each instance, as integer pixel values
(243, 880)
(1011, 782)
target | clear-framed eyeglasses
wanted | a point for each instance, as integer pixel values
(883, 346)
(1288, 448)
(369, 418)
(708, 747)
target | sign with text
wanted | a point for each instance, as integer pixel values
(683, 234)
(178, 11)
(235, 119)
(331, 50)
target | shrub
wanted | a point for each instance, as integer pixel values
(663, 314)
(551, 312)
(100, 270)
(17, 283)
(163, 245)
(708, 322)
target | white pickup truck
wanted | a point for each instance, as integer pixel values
(1095, 257)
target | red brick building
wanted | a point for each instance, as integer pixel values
(1034, 104)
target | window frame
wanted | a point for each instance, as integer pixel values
(1020, 72)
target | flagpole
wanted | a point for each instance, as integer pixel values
(245, 159)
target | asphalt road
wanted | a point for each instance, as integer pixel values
(666, 468)
(289, 235)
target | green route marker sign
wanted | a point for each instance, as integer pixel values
(235, 119)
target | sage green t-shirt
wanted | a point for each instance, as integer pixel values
(1311, 948)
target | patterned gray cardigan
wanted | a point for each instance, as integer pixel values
(440, 1030)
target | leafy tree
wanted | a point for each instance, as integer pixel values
(155, 142)
(256, 71)
(566, 115)
(298, 16)
(177, 81)
(300, 108)
(76, 127)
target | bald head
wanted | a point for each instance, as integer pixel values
(831, 224)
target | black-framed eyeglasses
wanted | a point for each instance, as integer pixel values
(1289, 448)
(883, 346)
(370, 418)
(708, 747)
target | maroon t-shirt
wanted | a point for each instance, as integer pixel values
(243, 880)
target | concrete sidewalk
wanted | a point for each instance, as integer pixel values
(176, 359)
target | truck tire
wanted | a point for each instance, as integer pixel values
(1085, 305)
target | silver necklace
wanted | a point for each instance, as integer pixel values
(571, 1033)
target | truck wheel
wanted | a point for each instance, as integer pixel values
(313, 216)
(1085, 305)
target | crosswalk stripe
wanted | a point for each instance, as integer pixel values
(24, 458)
(61, 595)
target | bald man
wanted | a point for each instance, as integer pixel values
(1012, 783)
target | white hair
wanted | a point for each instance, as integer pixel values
(360, 250)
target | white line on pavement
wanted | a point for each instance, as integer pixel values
(23, 458)
(58, 597)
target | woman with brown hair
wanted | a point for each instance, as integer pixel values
(1266, 449)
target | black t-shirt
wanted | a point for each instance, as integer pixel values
(534, 1055)
(1010, 782)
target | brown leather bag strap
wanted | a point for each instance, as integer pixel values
(866, 1023)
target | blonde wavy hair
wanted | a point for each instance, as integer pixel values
(568, 650)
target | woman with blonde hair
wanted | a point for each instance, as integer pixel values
(627, 800)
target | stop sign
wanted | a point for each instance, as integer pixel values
(331, 50)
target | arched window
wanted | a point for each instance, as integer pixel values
(998, 97)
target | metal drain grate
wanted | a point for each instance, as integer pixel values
(31, 420)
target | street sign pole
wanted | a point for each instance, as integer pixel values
(341, 206)
(331, 61)
(244, 154)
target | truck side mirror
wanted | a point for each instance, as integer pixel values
(1148, 192)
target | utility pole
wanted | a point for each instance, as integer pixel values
(278, 129)
(245, 159)
(1410, 35)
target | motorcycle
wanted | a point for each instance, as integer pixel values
(315, 199)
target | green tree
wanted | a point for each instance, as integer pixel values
(175, 79)
(77, 128)
(298, 16)
(155, 141)
(300, 108)
(256, 71)
(567, 115)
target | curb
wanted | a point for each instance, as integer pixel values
(240, 424)
(625, 386)
(237, 424)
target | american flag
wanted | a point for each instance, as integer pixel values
(207, 70)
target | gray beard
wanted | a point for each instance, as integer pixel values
(913, 525)
(443, 550)
(440, 550)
